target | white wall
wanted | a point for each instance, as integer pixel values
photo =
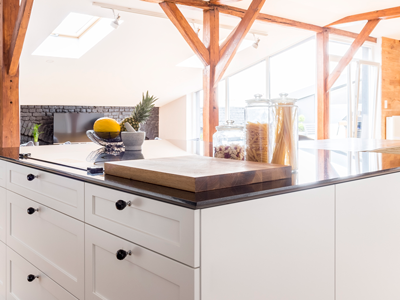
(173, 125)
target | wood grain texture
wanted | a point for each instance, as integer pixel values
(391, 13)
(346, 59)
(18, 37)
(322, 91)
(390, 80)
(177, 18)
(210, 101)
(237, 37)
(239, 12)
(340, 32)
(9, 85)
(197, 173)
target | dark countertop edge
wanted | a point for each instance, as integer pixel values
(206, 203)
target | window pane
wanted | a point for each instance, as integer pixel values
(340, 49)
(243, 86)
(293, 72)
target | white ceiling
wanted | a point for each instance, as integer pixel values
(143, 53)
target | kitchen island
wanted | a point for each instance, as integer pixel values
(329, 232)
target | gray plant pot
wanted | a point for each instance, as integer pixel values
(36, 143)
(133, 140)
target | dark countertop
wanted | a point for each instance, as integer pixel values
(334, 162)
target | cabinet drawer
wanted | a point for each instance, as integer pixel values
(3, 271)
(41, 288)
(3, 215)
(50, 240)
(55, 191)
(3, 173)
(143, 275)
(165, 228)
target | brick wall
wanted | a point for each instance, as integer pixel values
(44, 114)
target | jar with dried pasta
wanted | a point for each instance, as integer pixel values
(228, 141)
(284, 132)
(257, 118)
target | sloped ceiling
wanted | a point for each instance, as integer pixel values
(143, 53)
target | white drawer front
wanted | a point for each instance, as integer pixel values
(3, 173)
(3, 271)
(143, 275)
(50, 240)
(3, 214)
(41, 288)
(165, 228)
(55, 191)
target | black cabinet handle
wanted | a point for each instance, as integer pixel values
(121, 204)
(30, 177)
(121, 254)
(31, 277)
(32, 210)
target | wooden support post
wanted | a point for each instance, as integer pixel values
(210, 90)
(19, 32)
(9, 96)
(322, 79)
(235, 39)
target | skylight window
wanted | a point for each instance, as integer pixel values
(76, 35)
(74, 25)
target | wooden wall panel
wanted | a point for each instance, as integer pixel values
(390, 80)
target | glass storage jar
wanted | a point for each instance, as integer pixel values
(257, 118)
(228, 141)
(284, 136)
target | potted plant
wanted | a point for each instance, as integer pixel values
(36, 133)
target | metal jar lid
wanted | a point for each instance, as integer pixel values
(257, 100)
(229, 126)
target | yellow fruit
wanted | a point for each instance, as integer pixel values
(107, 125)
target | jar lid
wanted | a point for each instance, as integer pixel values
(283, 99)
(257, 100)
(229, 126)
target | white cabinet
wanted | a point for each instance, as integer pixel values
(368, 239)
(3, 214)
(165, 228)
(142, 275)
(51, 241)
(3, 173)
(278, 248)
(55, 191)
(3, 271)
(39, 286)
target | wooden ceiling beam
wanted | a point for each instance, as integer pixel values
(346, 59)
(18, 36)
(234, 41)
(393, 12)
(177, 18)
(239, 12)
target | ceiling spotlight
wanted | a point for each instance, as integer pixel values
(117, 20)
(257, 41)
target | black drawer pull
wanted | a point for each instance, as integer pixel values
(121, 254)
(121, 204)
(30, 177)
(32, 210)
(31, 277)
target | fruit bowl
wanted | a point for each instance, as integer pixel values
(109, 136)
(110, 140)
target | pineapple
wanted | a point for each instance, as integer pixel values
(140, 113)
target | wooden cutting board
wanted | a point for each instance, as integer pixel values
(197, 173)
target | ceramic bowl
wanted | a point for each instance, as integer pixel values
(133, 140)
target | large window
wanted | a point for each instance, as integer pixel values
(293, 71)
